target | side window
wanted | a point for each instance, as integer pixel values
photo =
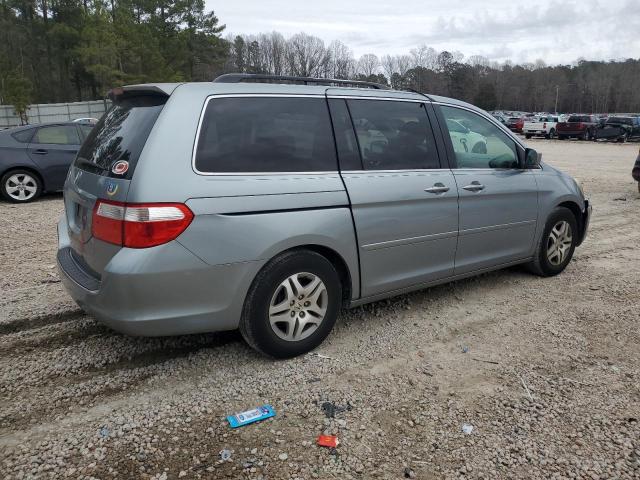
(478, 143)
(24, 136)
(85, 129)
(57, 134)
(265, 134)
(393, 135)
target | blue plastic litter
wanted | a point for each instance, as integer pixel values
(251, 416)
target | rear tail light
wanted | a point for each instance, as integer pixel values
(139, 225)
(544, 125)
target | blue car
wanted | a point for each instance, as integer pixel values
(36, 158)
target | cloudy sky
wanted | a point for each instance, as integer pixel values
(556, 31)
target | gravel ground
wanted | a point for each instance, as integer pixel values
(546, 371)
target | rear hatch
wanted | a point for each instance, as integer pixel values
(104, 167)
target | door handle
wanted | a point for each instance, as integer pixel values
(40, 151)
(474, 187)
(437, 188)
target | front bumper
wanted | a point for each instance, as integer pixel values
(586, 219)
(157, 291)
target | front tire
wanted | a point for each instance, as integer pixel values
(292, 304)
(557, 244)
(527, 136)
(20, 186)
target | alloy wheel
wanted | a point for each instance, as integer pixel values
(21, 187)
(298, 306)
(559, 243)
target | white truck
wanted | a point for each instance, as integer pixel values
(542, 126)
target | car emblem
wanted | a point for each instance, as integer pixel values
(112, 188)
(120, 167)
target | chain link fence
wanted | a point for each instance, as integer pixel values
(53, 112)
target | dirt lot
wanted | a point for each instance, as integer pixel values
(549, 381)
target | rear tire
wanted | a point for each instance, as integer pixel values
(561, 137)
(557, 244)
(527, 136)
(279, 307)
(20, 186)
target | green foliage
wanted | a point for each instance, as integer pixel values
(69, 50)
(16, 91)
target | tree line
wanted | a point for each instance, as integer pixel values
(73, 50)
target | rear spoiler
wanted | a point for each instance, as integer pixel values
(162, 89)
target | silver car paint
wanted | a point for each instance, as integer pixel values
(406, 238)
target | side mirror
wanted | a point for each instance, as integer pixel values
(532, 158)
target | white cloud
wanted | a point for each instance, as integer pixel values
(556, 31)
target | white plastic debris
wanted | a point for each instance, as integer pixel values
(467, 429)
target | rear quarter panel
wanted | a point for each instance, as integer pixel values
(240, 218)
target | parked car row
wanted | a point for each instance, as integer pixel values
(581, 126)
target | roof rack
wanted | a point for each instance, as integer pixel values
(260, 78)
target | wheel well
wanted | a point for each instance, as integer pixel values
(340, 265)
(28, 169)
(577, 213)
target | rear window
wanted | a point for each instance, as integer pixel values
(623, 120)
(578, 119)
(265, 134)
(120, 134)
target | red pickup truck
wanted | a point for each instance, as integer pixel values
(579, 126)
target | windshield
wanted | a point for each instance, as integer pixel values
(120, 134)
(578, 119)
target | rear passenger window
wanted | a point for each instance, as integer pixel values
(393, 135)
(265, 134)
(57, 135)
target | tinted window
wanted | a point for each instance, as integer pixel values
(393, 135)
(482, 145)
(579, 118)
(623, 120)
(57, 134)
(24, 136)
(120, 134)
(266, 135)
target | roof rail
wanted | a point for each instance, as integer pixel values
(260, 78)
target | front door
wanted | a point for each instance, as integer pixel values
(498, 200)
(404, 202)
(53, 148)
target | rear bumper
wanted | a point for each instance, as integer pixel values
(586, 219)
(158, 291)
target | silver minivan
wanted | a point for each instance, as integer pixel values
(269, 203)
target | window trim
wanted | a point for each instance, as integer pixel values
(249, 174)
